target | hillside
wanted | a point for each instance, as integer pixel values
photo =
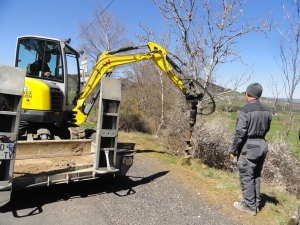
(237, 98)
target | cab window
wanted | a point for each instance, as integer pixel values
(40, 58)
(72, 74)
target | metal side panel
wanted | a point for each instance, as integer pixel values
(11, 91)
(9, 74)
(52, 148)
(107, 126)
(111, 89)
(109, 133)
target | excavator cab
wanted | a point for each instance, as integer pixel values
(52, 80)
(41, 59)
(52, 75)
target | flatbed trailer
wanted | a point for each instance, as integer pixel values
(33, 163)
(74, 161)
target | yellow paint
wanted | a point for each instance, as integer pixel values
(36, 95)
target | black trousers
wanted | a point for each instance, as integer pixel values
(250, 165)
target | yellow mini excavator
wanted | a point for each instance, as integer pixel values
(53, 103)
(50, 147)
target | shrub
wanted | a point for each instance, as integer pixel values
(281, 167)
(230, 108)
(212, 142)
(176, 132)
(133, 122)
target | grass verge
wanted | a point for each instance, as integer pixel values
(220, 188)
(275, 130)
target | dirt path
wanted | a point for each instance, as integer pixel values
(215, 207)
(151, 193)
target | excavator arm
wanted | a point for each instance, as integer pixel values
(107, 62)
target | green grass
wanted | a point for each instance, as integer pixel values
(90, 125)
(275, 126)
(234, 93)
(210, 173)
(275, 130)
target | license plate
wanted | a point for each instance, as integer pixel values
(7, 151)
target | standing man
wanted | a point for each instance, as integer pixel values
(249, 145)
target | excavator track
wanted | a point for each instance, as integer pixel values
(77, 133)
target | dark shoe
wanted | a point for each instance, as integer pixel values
(243, 207)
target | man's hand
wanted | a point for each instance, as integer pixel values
(232, 155)
(47, 74)
(233, 158)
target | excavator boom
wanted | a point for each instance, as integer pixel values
(108, 61)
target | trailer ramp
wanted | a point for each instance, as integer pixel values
(11, 90)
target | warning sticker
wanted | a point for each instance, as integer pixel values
(27, 94)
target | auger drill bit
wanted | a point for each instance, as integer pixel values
(192, 122)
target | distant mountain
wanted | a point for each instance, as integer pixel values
(215, 88)
(296, 100)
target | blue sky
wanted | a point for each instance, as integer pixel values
(59, 19)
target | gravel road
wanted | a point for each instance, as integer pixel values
(150, 194)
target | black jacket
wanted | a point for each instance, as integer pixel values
(253, 121)
(34, 68)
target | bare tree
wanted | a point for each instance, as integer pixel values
(289, 55)
(165, 39)
(276, 91)
(105, 32)
(208, 39)
(206, 34)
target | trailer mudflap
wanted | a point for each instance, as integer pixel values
(124, 161)
(125, 156)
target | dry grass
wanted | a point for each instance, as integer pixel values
(218, 187)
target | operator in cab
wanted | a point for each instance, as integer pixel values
(40, 65)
